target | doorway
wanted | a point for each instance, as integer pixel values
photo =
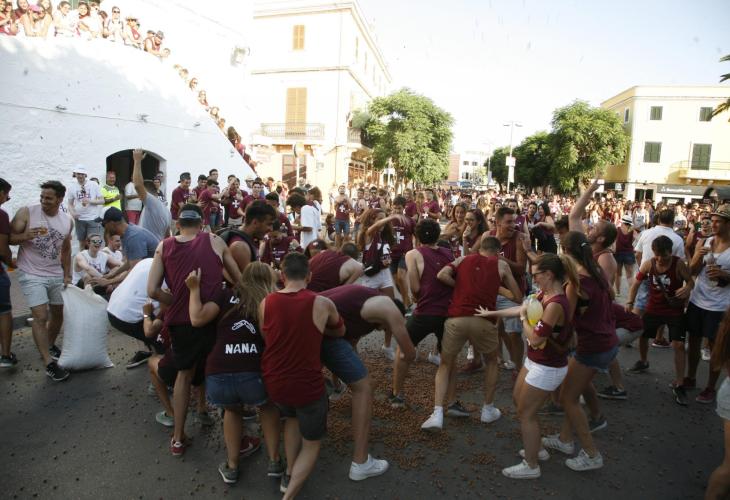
(121, 163)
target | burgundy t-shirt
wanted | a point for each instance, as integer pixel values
(374, 202)
(291, 365)
(238, 342)
(179, 195)
(4, 229)
(284, 220)
(411, 209)
(477, 284)
(434, 296)
(349, 300)
(596, 325)
(232, 204)
(403, 235)
(431, 206)
(325, 269)
(274, 252)
(549, 355)
(627, 320)
(205, 199)
(180, 258)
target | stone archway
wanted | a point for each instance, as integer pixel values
(121, 163)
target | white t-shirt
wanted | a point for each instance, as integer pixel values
(643, 244)
(99, 263)
(89, 191)
(155, 216)
(309, 217)
(116, 255)
(135, 203)
(707, 294)
(127, 300)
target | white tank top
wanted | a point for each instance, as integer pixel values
(707, 294)
(98, 263)
(41, 256)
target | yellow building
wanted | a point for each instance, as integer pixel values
(677, 151)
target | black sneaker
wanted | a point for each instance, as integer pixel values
(639, 367)
(284, 483)
(680, 395)
(396, 401)
(456, 409)
(55, 352)
(8, 361)
(597, 424)
(55, 372)
(612, 392)
(276, 468)
(140, 357)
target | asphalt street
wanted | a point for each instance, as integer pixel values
(95, 436)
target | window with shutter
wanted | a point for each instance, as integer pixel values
(652, 152)
(705, 114)
(701, 156)
(656, 113)
(296, 112)
(298, 37)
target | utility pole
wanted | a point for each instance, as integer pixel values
(510, 165)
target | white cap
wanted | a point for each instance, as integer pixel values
(80, 169)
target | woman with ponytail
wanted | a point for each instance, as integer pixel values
(546, 365)
(597, 346)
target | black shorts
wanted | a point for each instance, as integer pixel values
(167, 370)
(191, 345)
(421, 325)
(675, 325)
(135, 330)
(703, 323)
(625, 258)
(397, 263)
(312, 417)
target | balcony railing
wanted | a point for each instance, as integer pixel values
(354, 135)
(294, 131)
(714, 170)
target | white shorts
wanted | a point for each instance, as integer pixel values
(381, 280)
(546, 378)
(723, 399)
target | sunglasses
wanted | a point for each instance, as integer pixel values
(115, 12)
(537, 274)
(96, 242)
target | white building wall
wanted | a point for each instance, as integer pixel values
(103, 88)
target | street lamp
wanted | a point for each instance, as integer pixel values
(511, 124)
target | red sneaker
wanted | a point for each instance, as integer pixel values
(473, 366)
(706, 397)
(249, 446)
(663, 343)
(177, 448)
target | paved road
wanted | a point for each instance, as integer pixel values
(95, 436)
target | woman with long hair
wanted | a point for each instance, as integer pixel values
(543, 231)
(719, 484)
(475, 226)
(233, 367)
(374, 241)
(420, 200)
(455, 229)
(597, 346)
(547, 354)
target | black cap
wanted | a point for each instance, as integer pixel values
(185, 175)
(112, 214)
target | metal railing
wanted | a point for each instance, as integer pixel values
(293, 130)
(712, 165)
(354, 135)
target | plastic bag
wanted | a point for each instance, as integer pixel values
(85, 327)
(534, 310)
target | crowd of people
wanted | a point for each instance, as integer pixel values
(210, 284)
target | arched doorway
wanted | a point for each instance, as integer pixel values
(121, 163)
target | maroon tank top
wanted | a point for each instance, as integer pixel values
(550, 356)
(596, 325)
(291, 365)
(342, 210)
(434, 296)
(624, 242)
(349, 300)
(477, 284)
(658, 303)
(325, 269)
(180, 258)
(509, 250)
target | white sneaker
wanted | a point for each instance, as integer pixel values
(434, 423)
(522, 471)
(470, 352)
(434, 358)
(554, 443)
(705, 354)
(370, 468)
(389, 352)
(509, 365)
(542, 455)
(584, 462)
(490, 414)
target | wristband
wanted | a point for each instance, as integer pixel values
(340, 323)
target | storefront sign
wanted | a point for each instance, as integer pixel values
(681, 190)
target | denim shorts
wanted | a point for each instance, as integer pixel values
(341, 359)
(642, 296)
(342, 226)
(41, 290)
(235, 389)
(625, 258)
(5, 305)
(599, 361)
(511, 325)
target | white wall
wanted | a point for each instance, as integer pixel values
(104, 87)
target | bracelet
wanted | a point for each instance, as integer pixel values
(629, 303)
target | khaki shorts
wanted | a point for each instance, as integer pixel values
(481, 332)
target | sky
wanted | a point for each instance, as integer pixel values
(489, 62)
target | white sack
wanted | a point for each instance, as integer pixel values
(85, 327)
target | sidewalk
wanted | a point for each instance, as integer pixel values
(20, 308)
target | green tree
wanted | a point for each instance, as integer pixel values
(498, 166)
(411, 133)
(534, 159)
(725, 106)
(586, 140)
